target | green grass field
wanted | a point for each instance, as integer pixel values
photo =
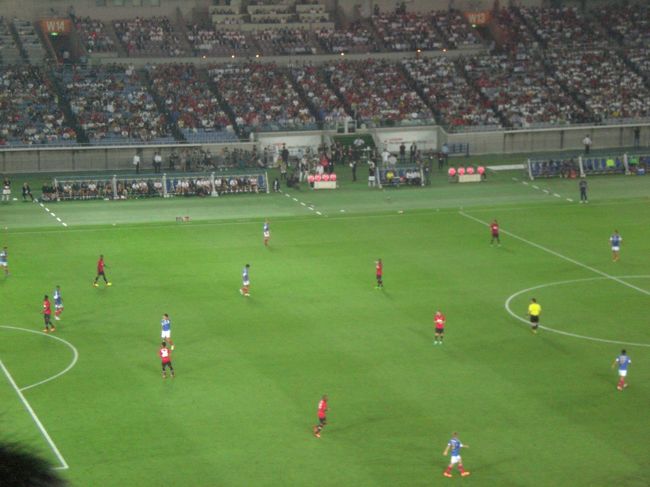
(536, 410)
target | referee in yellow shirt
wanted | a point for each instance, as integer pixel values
(534, 310)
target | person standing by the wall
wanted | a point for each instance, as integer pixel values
(583, 190)
(587, 142)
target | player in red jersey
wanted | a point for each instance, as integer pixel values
(47, 314)
(322, 416)
(379, 269)
(100, 272)
(494, 229)
(166, 357)
(439, 320)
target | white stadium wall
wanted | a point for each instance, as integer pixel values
(425, 138)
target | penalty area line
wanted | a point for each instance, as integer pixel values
(557, 254)
(21, 396)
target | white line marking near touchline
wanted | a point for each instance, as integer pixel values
(50, 212)
(566, 333)
(75, 354)
(568, 259)
(64, 464)
(19, 390)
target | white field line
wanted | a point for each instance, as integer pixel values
(568, 259)
(64, 464)
(51, 213)
(535, 186)
(75, 357)
(566, 333)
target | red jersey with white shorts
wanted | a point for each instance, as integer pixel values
(165, 356)
(439, 319)
(47, 309)
(322, 408)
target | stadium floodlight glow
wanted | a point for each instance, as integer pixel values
(232, 56)
(342, 54)
(257, 55)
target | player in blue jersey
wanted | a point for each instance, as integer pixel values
(615, 241)
(245, 281)
(4, 262)
(267, 233)
(58, 303)
(623, 362)
(455, 445)
(166, 330)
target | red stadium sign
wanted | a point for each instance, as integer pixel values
(58, 26)
(478, 18)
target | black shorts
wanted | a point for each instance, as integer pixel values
(47, 319)
(322, 420)
(440, 331)
(534, 319)
(167, 364)
(100, 274)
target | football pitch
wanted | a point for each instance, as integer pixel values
(535, 410)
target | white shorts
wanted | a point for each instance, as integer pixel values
(615, 249)
(246, 283)
(267, 234)
(456, 459)
(166, 334)
(6, 191)
(58, 306)
(3, 264)
(622, 373)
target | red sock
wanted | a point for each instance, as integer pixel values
(57, 312)
(621, 382)
(460, 468)
(448, 469)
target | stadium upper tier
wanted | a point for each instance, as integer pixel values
(534, 68)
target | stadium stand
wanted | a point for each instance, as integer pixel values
(192, 107)
(407, 31)
(313, 82)
(31, 44)
(357, 38)
(207, 41)
(284, 41)
(520, 89)
(262, 97)
(113, 105)
(94, 35)
(457, 104)
(9, 51)
(155, 37)
(378, 92)
(29, 114)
